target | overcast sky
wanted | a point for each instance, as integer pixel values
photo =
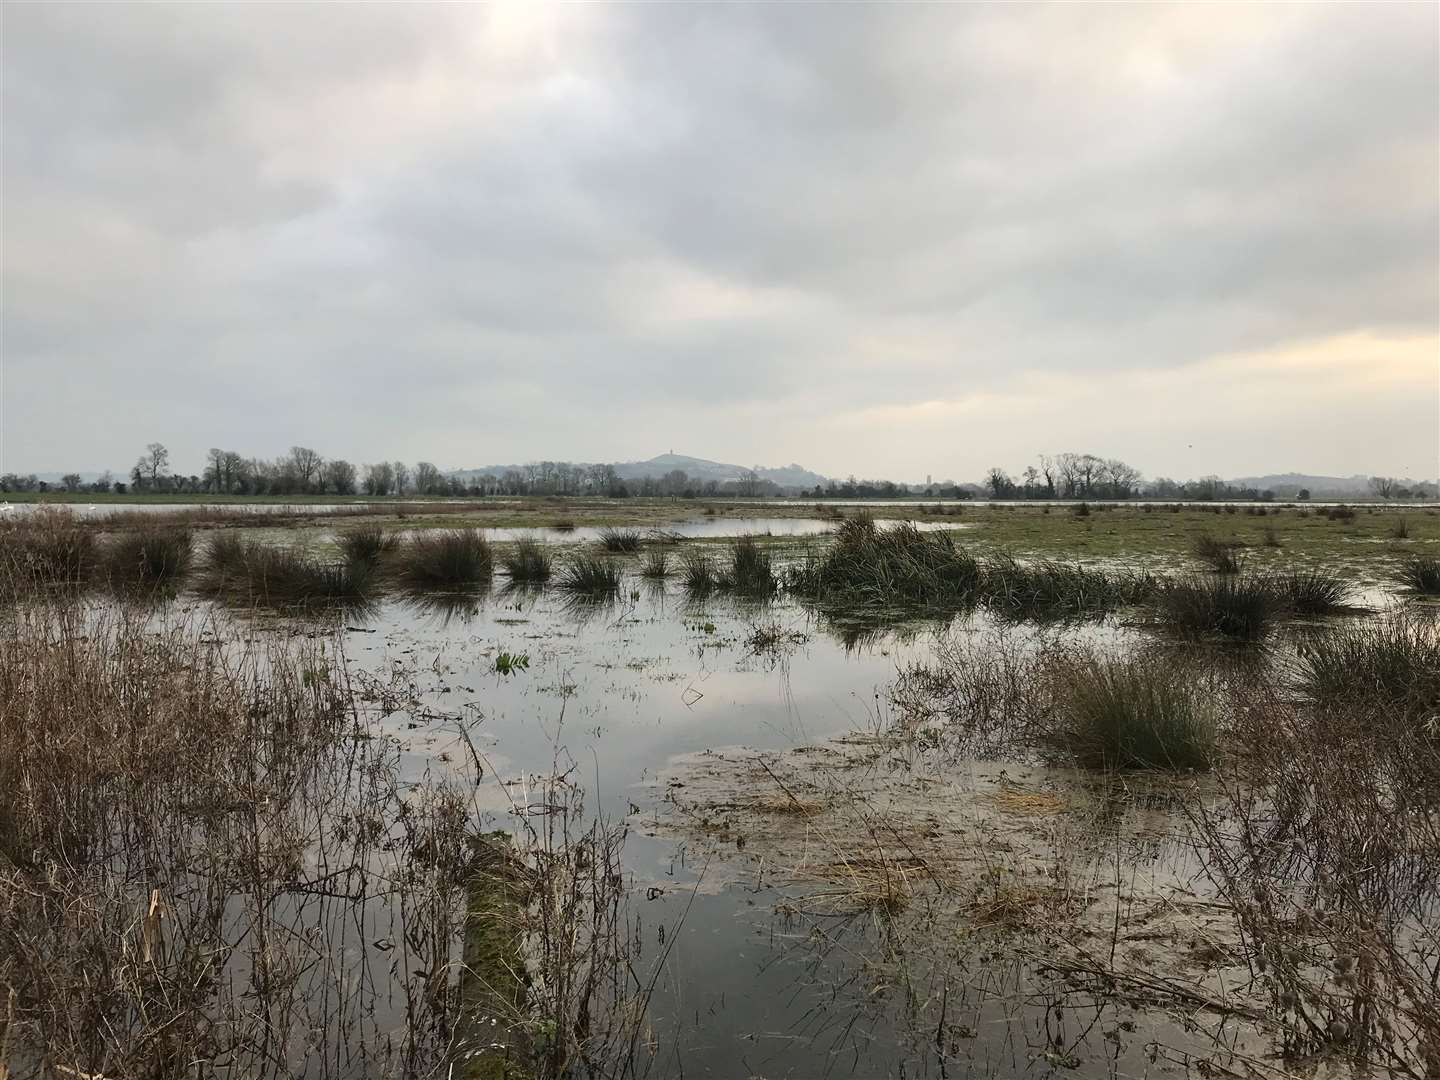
(883, 239)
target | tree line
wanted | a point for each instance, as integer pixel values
(304, 471)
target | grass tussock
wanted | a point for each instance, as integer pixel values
(656, 566)
(527, 562)
(1310, 592)
(446, 559)
(46, 549)
(366, 545)
(697, 571)
(1394, 662)
(1046, 588)
(1420, 575)
(898, 566)
(148, 558)
(587, 575)
(249, 571)
(1134, 713)
(750, 570)
(1218, 554)
(1239, 608)
(620, 541)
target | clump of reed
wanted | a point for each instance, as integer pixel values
(1400, 530)
(45, 549)
(1420, 575)
(172, 805)
(527, 562)
(564, 525)
(1309, 592)
(250, 571)
(1218, 554)
(367, 544)
(620, 541)
(697, 570)
(446, 559)
(750, 569)
(1237, 607)
(869, 566)
(1048, 588)
(589, 576)
(1133, 713)
(656, 566)
(1394, 662)
(148, 558)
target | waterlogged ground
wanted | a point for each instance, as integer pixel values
(827, 899)
(667, 713)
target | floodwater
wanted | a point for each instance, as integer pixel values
(627, 696)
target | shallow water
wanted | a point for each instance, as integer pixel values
(622, 695)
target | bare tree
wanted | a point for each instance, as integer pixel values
(71, 481)
(401, 472)
(999, 483)
(379, 479)
(153, 464)
(340, 476)
(427, 478)
(1384, 486)
(305, 464)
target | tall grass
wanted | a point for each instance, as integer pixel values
(446, 559)
(697, 570)
(367, 544)
(1047, 588)
(1134, 713)
(656, 565)
(750, 570)
(47, 548)
(1309, 592)
(250, 571)
(528, 562)
(1218, 554)
(590, 576)
(1420, 575)
(1394, 662)
(1236, 607)
(620, 541)
(901, 565)
(148, 558)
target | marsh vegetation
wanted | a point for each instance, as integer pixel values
(1159, 813)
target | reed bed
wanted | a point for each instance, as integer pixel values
(47, 549)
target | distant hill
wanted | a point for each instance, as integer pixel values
(788, 476)
(1287, 484)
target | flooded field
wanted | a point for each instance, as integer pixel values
(830, 810)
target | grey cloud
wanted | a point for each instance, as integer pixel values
(474, 233)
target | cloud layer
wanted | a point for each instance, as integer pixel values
(888, 240)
